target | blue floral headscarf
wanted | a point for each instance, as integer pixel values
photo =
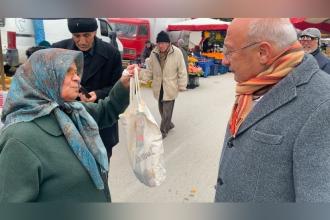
(36, 91)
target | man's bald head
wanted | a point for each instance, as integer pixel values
(251, 43)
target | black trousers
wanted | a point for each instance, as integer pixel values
(166, 112)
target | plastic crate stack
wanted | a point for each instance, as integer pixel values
(222, 69)
(214, 69)
(205, 64)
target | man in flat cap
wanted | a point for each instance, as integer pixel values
(102, 67)
(168, 73)
(310, 40)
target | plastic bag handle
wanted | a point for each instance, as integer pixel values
(131, 90)
(135, 90)
(137, 85)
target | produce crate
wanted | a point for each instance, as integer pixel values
(217, 61)
(202, 59)
(206, 67)
(223, 69)
(214, 70)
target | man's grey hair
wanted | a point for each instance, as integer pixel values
(277, 31)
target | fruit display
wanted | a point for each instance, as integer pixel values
(214, 55)
(192, 59)
(194, 70)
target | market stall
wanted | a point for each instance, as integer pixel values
(205, 42)
(200, 29)
(321, 23)
(199, 24)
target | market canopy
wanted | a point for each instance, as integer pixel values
(199, 24)
(321, 23)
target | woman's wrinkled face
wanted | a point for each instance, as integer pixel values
(71, 83)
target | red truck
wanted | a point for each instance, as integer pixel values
(133, 33)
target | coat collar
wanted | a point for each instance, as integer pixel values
(156, 52)
(49, 124)
(171, 50)
(100, 49)
(281, 93)
(97, 48)
(101, 55)
(321, 59)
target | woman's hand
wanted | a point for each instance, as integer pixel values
(128, 73)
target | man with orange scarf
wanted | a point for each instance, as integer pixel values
(277, 145)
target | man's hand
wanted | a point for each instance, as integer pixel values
(85, 99)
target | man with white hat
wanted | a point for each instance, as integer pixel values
(310, 40)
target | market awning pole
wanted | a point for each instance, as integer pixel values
(2, 73)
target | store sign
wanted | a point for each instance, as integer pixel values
(2, 22)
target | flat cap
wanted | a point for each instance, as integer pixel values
(311, 32)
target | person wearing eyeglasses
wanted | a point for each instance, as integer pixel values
(276, 147)
(310, 40)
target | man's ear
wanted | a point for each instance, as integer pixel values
(265, 52)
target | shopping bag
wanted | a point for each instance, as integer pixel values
(143, 139)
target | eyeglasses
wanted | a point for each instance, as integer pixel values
(307, 38)
(227, 53)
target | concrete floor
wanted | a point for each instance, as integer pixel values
(192, 148)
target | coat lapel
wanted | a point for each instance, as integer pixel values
(99, 58)
(156, 52)
(95, 65)
(282, 93)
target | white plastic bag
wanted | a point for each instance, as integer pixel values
(143, 139)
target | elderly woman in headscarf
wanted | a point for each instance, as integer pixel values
(50, 147)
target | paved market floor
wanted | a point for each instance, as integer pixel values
(192, 148)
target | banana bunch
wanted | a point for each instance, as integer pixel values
(192, 59)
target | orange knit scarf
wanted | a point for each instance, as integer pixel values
(279, 67)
